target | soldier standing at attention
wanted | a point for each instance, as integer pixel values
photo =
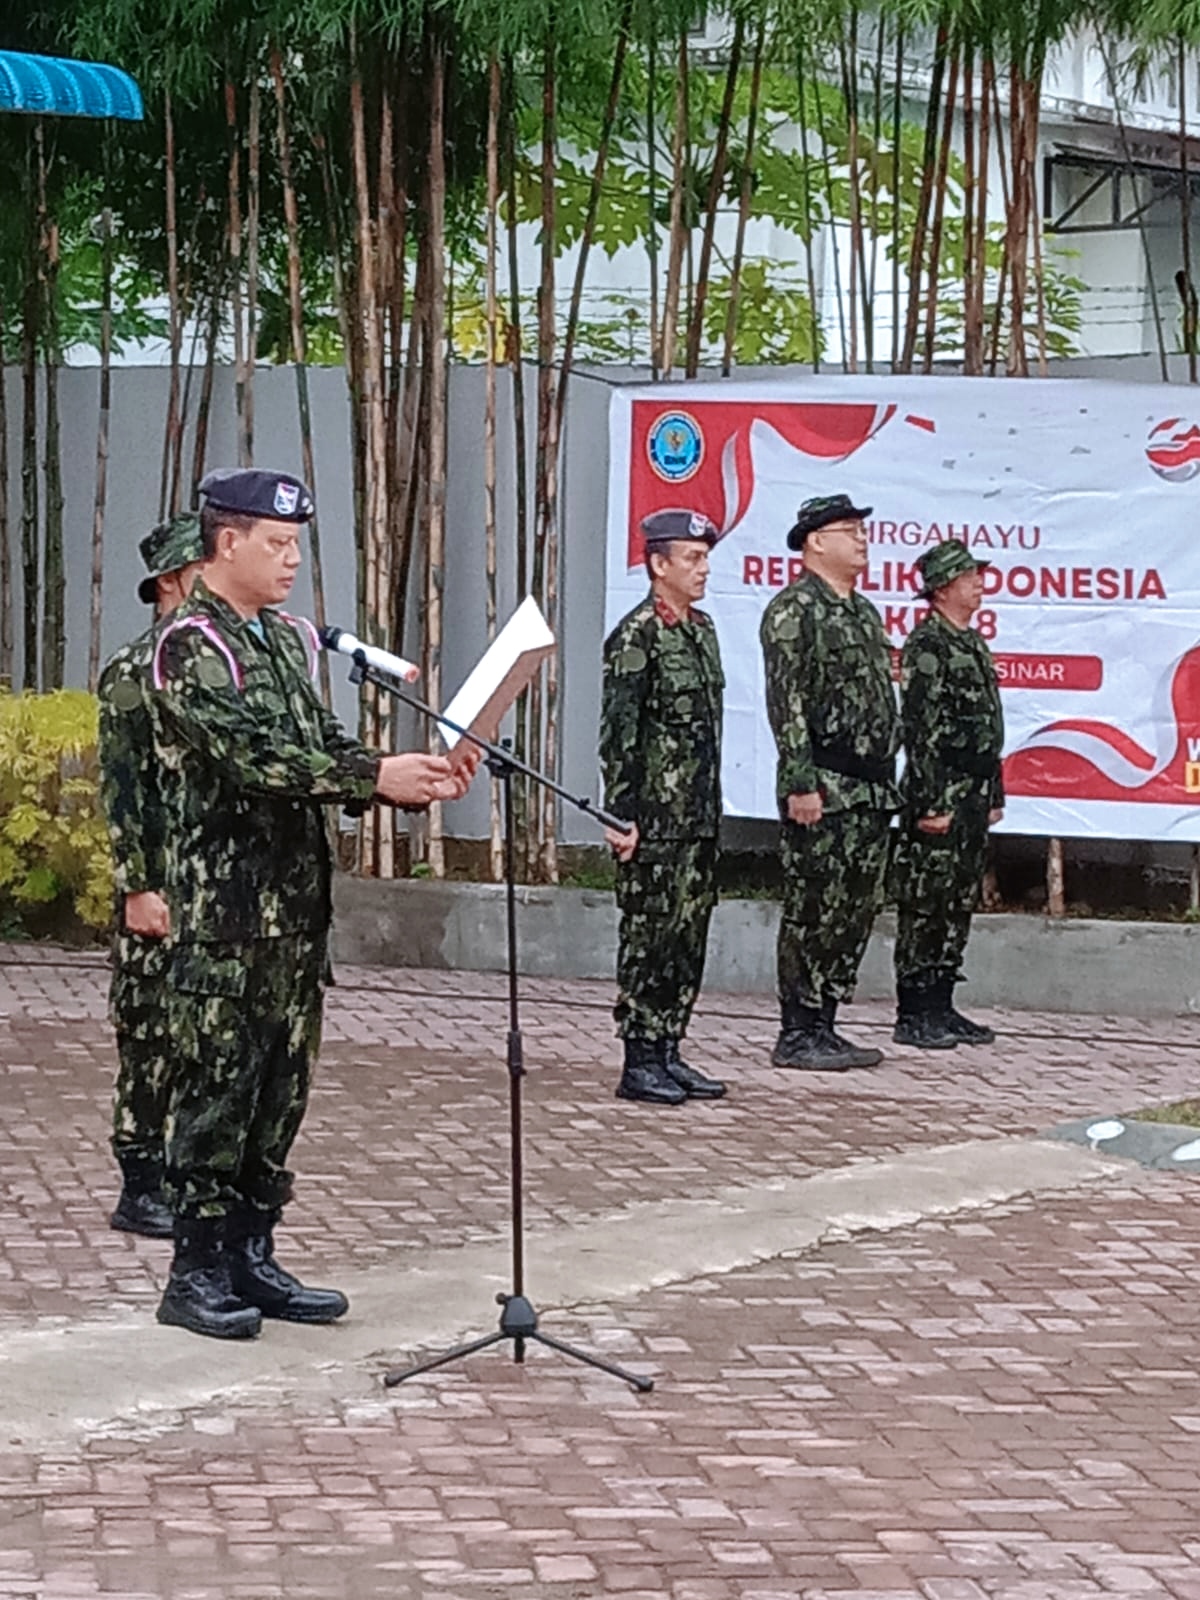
(249, 756)
(833, 712)
(133, 809)
(660, 747)
(953, 792)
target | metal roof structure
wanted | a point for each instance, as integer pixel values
(56, 87)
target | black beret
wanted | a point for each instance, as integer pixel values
(255, 492)
(663, 527)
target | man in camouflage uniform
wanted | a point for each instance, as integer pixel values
(133, 809)
(660, 747)
(249, 757)
(833, 712)
(953, 792)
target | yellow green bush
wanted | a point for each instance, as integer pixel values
(53, 843)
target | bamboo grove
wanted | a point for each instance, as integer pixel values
(326, 181)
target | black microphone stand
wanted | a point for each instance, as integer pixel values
(518, 1319)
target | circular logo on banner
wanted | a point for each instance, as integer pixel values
(675, 446)
(1173, 449)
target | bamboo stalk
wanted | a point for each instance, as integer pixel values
(492, 356)
(1147, 256)
(809, 220)
(848, 55)
(436, 547)
(175, 319)
(608, 122)
(377, 840)
(545, 546)
(53, 573)
(744, 198)
(253, 142)
(897, 169)
(939, 215)
(1056, 891)
(204, 403)
(916, 258)
(235, 265)
(830, 200)
(713, 199)
(102, 429)
(872, 263)
(670, 319)
(652, 188)
(299, 348)
(515, 356)
(1191, 332)
(31, 318)
(6, 566)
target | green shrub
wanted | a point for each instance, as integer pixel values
(54, 850)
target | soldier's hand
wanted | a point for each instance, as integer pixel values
(623, 844)
(414, 779)
(995, 815)
(147, 914)
(806, 809)
(936, 824)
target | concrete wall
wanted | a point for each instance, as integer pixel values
(1026, 963)
(139, 405)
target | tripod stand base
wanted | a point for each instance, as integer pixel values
(518, 1322)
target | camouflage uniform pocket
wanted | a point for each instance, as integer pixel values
(196, 972)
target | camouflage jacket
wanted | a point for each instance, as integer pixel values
(830, 699)
(249, 754)
(660, 722)
(130, 793)
(953, 721)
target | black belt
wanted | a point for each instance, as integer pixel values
(849, 765)
(976, 766)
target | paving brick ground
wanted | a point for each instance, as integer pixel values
(1001, 1406)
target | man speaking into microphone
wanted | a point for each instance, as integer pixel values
(249, 756)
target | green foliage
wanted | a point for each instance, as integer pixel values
(53, 842)
(774, 316)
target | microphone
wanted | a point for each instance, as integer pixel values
(345, 644)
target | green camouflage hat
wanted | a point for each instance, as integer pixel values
(944, 563)
(820, 512)
(169, 548)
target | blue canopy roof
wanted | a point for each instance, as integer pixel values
(53, 86)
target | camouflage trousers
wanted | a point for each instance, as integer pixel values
(666, 896)
(936, 884)
(137, 1009)
(834, 875)
(246, 1025)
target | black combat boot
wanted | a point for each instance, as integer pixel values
(260, 1280)
(963, 1029)
(645, 1076)
(141, 1208)
(198, 1295)
(807, 1044)
(919, 1020)
(864, 1056)
(692, 1082)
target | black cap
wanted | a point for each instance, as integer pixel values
(254, 492)
(664, 527)
(819, 513)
